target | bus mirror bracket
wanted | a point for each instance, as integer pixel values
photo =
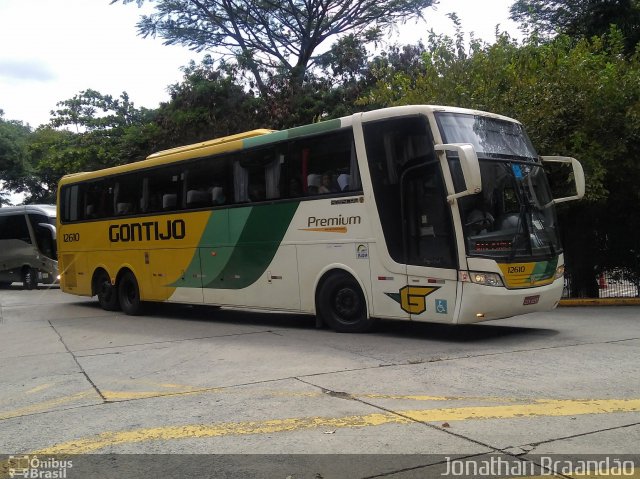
(578, 176)
(470, 168)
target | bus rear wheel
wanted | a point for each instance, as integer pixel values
(29, 278)
(106, 292)
(341, 304)
(129, 294)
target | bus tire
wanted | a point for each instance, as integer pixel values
(29, 278)
(341, 304)
(106, 292)
(129, 294)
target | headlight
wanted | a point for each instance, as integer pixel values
(481, 277)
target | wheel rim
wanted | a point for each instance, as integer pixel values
(28, 278)
(347, 304)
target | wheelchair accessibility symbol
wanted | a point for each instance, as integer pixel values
(441, 306)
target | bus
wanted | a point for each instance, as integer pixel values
(423, 213)
(28, 245)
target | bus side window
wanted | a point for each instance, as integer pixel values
(15, 227)
(257, 175)
(207, 182)
(71, 208)
(323, 164)
(98, 200)
(163, 190)
(128, 191)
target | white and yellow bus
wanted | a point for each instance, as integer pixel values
(421, 213)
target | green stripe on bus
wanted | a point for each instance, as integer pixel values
(314, 128)
(237, 246)
(277, 136)
(255, 249)
(265, 139)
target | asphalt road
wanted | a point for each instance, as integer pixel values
(392, 403)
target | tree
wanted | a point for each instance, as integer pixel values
(90, 110)
(111, 131)
(208, 103)
(269, 34)
(14, 158)
(581, 18)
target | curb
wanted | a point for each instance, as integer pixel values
(601, 302)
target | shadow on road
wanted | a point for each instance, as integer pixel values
(469, 333)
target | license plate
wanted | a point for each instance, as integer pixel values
(531, 300)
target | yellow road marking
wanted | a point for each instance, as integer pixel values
(128, 395)
(546, 408)
(37, 389)
(47, 405)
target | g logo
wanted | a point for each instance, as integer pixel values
(413, 298)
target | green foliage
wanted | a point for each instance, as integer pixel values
(581, 18)
(14, 158)
(207, 103)
(108, 132)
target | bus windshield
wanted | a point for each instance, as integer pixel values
(514, 216)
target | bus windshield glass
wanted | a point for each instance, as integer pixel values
(514, 217)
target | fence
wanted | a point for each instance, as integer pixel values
(611, 284)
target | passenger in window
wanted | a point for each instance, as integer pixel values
(343, 181)
(325, 185)
(313, 184)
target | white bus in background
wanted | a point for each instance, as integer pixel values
(28, 245)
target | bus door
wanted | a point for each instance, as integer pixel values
(415, 220)
(429, 245)
(374, 140)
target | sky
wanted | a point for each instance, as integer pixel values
(53, 49)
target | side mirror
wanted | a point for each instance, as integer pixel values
(50, 228)
(470, 168)
(578, 176)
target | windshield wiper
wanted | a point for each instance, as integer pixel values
(525, 207)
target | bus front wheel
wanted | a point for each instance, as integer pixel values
(106, 292)
(341, 304)
(29, 278)
(129, 294)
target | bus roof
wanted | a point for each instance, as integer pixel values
(203, 147)
(48, 210)
(209, 147)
